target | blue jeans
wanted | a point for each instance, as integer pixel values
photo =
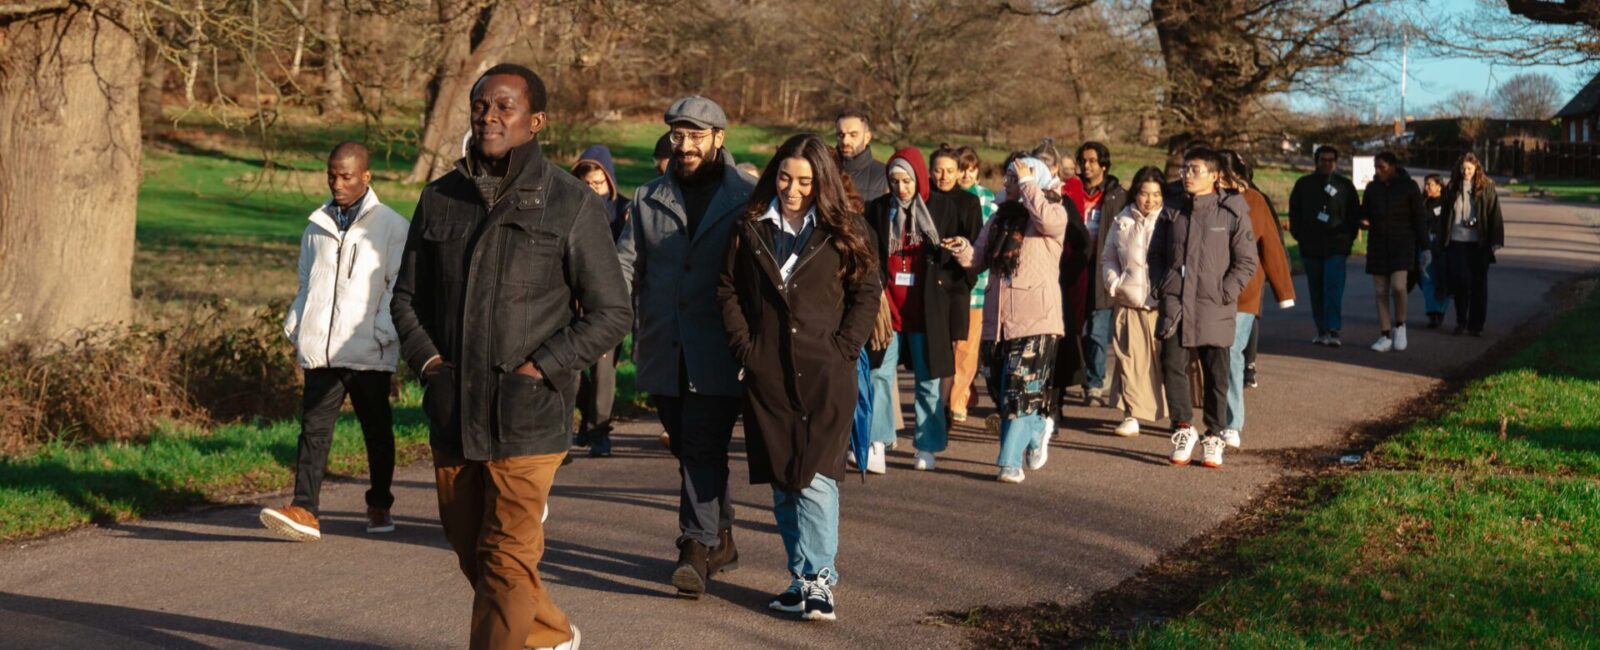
(1325, 278)
(1018, 435)
(1095, 345)
(885, 380)
(808, 522)
(1241, 338)
(1429, 283)
(932, 434)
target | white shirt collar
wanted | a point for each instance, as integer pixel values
(774, 215)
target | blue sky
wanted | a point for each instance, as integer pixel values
(1432, 78)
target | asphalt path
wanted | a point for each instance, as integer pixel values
(912, 543)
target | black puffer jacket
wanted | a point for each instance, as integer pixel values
(487, 288)
(1396, 223)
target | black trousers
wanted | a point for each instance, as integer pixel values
(1254, 342)
(1469, 283)
(1214, 370)
(597, 391)
(325, 392)
(701, 428)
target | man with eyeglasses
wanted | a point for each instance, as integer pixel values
(1211, 255)
(672, 254)
(1323, 219)
(1104, 198)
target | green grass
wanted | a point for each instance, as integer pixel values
(1569, 191)
(1463, 538)
(59, 487)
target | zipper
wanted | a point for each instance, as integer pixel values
(354, 248)
(333, 307)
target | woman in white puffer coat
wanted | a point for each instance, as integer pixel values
(1134, 253)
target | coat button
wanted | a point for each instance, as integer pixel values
(794, 330)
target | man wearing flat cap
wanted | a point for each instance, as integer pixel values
(672, 254)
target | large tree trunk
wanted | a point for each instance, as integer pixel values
(69, 172)
(1196, 43)
(332, 81)
(473, 42)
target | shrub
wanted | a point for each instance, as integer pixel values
(111, 384)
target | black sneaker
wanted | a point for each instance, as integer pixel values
(690, 576)
(1250, 376)
(792, 600)
(582, 437)
(819, 598)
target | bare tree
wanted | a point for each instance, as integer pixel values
(1222, 55)
(1470, 111)
(474, 35)
(905, 59)
(1516, 32)
(332, 70)
(1528, 96)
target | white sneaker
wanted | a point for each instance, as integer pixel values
(1183, 445)
(1333, 340)
(850, 457)
(1212, 447)
(875, 460)
(571, 644)
(1049, 427)
(1383, 344)
(1400, 338)
(924, 461)
(1231, 436)
(1037, 457)
(1129, 428)
(1322, 339)
(1011, 475)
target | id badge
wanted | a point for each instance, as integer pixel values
(903, 279)
(1323, 216)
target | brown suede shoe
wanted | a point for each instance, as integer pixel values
(725, 557)
(690, 576)
(293, 522)
(379, 521)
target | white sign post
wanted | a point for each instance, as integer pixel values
(1362, 169)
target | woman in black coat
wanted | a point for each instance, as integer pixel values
(1397, 242)
(799, 293)
(1473, 230)
(927, 293)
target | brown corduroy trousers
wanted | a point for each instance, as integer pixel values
(491, 514)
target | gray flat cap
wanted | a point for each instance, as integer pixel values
(697, 110)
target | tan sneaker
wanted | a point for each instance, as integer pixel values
(293, 522)
(379, 521)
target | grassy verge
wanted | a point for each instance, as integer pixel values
(1477, 525)
(60, 487)
(1480, 526)
(1567, 191)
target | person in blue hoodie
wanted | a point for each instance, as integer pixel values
(597, 389)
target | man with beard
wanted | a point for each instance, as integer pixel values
(853, 136)
(1104, 198)
(672, 253)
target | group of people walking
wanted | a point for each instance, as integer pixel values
(790, 299)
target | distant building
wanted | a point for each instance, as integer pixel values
(1578, 117)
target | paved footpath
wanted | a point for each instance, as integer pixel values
(912, 543)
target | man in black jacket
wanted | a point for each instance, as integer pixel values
(1104, 199)
(1323, 217)
(853, 137)
(499, 251)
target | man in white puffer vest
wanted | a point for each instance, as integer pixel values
(344, 338)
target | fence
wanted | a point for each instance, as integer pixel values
(1551, 160)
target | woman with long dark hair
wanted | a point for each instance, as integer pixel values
(1473, 230)
(1397, 242)
(1021, 247)
(1133, 259)
(922, 282)
(799, 293)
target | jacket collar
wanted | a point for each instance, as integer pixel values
(670, 196)
(526, 168)
(326, 217)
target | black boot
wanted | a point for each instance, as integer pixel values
(600, 442)
(725, 557)
(582, 439)
(690, 576)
